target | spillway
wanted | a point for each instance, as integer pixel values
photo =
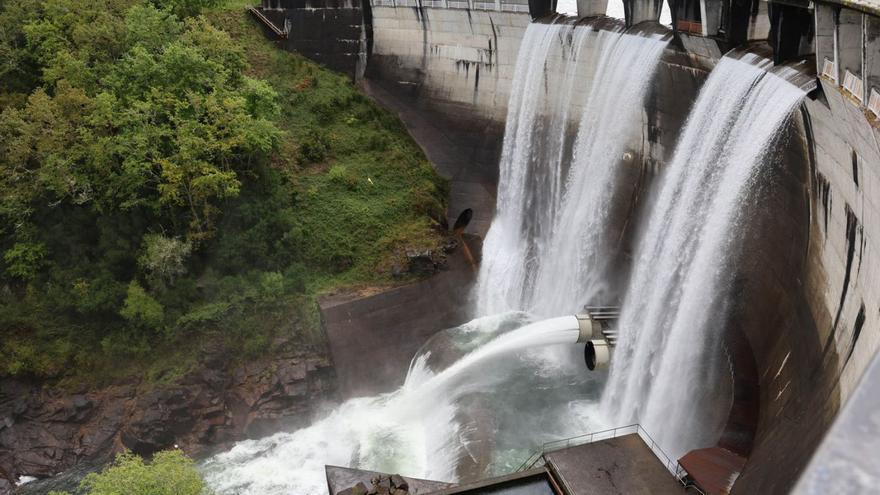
(549, 246)
(669, 362)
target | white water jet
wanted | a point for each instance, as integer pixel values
(549, 246)
(667, 363)
(415, 430)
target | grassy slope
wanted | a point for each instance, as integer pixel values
(372, 195)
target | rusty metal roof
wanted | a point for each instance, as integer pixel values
(714, 469)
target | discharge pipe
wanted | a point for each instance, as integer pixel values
(596, 332)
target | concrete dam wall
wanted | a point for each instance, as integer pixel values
(807, 319)
(810, 317)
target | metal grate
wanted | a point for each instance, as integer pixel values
(853, 84)
(829, 70)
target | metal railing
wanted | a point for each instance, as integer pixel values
(672, 466)
(265, 20)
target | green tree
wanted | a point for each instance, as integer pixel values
(164, 258)
(141, 308)
(18, 71)
(186, 8)
(24, 259)
(169, 473)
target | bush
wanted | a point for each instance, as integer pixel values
(164, 257)
(170, 473)
(313, 147)
(141, 308)
(185, 8)
(24, 259)
(341, 175)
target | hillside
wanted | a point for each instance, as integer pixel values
(171, 181)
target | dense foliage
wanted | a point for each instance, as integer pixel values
(164, 182)
(170, 472)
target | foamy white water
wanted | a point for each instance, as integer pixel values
(420, 430)
(548, 249)
(666, 367)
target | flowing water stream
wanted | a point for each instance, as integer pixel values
(549, 246)
(669, 360)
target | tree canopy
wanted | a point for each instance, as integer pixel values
(167, 174)
(169, 472)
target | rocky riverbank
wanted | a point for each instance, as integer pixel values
(44, 431)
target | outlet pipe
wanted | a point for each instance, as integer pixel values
(598, 338)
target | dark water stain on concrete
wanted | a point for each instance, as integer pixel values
(491, 44)
(857, 330)
(822, 189)
(855, 168)
(852, 228)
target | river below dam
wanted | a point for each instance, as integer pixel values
(477, 401)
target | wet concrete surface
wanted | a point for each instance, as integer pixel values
(373, 338)
(622, 465)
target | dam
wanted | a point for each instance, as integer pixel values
(658, 271)
(709, 169)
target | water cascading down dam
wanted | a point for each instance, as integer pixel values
(685, 262)
(552, 241)
(641, 168)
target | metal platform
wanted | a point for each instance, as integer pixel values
(621, 465)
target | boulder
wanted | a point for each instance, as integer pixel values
(359, 489)
(398, 482)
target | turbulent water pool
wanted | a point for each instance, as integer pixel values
(478, 400)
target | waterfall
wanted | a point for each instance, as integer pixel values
(548, 248)
(419, 429)
(665, 369)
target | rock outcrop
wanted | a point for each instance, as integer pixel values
(381, 485)
(44, 430)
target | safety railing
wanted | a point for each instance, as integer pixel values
(265, 20)
(672, 466)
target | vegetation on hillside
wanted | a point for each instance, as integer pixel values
(170, 178)
(169, 472)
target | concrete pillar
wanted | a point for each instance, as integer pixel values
(590, 8)
(637, 11)
(826, 58)
(872, 60)
(701, 17)
(541, 8)
(849, 51)
(686, 16)
(791, 31)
